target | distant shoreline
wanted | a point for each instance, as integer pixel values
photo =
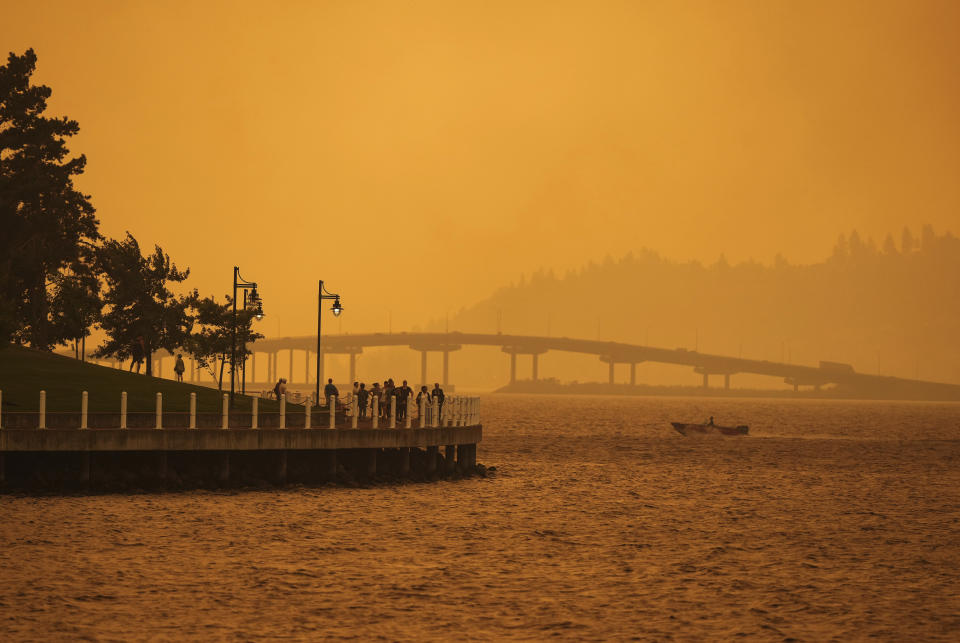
(553, 387)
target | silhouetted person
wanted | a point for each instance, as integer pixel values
(438, 397)
(423, 396)
(362, 396)
(179, 367)
(330, 390)
(389, 390)
(376, 393)
(137, 352)
(403, 396)
(710, 423)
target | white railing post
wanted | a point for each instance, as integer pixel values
(354, 412)
(457, 420)
(123, 409)
(193, 410)
(283, 411)
(225, 411)
(333, 411)
(306, 412)
(84, 400)
(159, 411)
(393, 411)
(409, 403)
(42, 420)
(423, 412)
(449, 417)
(254, 412)
(375, 412)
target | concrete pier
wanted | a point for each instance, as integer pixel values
(61, 458)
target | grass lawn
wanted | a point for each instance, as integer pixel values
(25, 372)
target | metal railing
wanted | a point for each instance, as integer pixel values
(455, 410)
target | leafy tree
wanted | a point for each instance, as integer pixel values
(212, 339)
(76, 305)
(139, 301)
(47, 223)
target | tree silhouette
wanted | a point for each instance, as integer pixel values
(139, 302)
(46, 221)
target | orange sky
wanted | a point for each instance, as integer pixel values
(397, 147)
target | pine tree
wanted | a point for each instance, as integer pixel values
(47, 223)
(139, 301)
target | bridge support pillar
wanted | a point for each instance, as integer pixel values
(290, 378)
(633, 373)
(796, 388)
(536, 360)
(726, 381)
(423, 368)
(446, 368)
(306, 366)
(353, 368)
(611, 372)
(513, 368)
(706, 380)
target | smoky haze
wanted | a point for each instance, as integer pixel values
(420, 156)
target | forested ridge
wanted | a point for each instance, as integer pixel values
(891, 308)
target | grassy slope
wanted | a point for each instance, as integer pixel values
(25, 372)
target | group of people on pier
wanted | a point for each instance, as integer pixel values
(431, 401)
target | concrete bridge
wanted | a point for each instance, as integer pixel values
(612, 353)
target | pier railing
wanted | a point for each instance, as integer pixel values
(456, 410)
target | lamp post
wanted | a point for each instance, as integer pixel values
(336, 308)
(254, 303)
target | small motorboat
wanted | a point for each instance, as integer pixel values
(709, 429)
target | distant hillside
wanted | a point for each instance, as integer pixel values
(892, 309)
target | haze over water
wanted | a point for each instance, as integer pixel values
(833, 519)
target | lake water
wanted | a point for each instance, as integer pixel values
(832, 519)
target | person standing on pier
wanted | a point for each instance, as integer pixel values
(403, 396)
(330, 390)
(424, 402)
(388, 392)
(362, 396)
(437, 395)
(376, 393)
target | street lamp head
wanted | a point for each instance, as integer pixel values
(336, 308)
(259, 313)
